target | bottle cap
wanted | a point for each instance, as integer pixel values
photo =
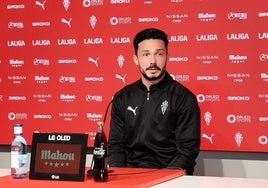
(18, 128)
(100, 123)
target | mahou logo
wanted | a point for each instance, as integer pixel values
(41, 79)
(206, 17)
(16, 62)
(67, 97)
(238, 58)
(92, 116)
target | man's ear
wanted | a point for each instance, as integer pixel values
(135, 59)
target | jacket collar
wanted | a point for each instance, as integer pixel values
(167, 78)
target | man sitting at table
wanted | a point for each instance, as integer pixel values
(155, 121)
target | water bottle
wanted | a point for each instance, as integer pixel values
(100, 155)
(18, 153)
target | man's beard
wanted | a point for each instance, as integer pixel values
(153, 78)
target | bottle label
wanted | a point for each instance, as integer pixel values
(99, 151)
(17, 159)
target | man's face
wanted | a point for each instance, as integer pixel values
(151, 58)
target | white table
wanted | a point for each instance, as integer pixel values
(202, 182)
(213, 182)
(4, 172)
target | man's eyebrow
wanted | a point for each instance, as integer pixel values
(157, 50)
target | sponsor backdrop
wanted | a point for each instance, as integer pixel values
(61, 62)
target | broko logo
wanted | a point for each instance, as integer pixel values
(208, 78)
(153, 19)
(42, 116)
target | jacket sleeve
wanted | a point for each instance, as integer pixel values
(187, 135)
(116, 140)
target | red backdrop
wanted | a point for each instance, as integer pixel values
(61, 61)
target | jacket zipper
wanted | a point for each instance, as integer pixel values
(148, 96)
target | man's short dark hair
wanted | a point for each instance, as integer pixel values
(150, 33)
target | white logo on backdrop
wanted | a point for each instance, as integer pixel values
(206, 17)
(38, 61)
(42, 5)
(70, 79)
(208, 98)
(95, 61)
(207, 117)
(238, 138)
(121, 77)
(68, 22)
(88, 3)
(97, 98)
(66, 4)
(16, 62)
(209, 138)
(264, 56)
(181, 77)
(235, 15)
(263, 140)
(12, 116)
(67, 97)
(18, 25)
(120, 61)
(231, 118)
(93, 21)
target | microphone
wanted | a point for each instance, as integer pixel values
(90, 172)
